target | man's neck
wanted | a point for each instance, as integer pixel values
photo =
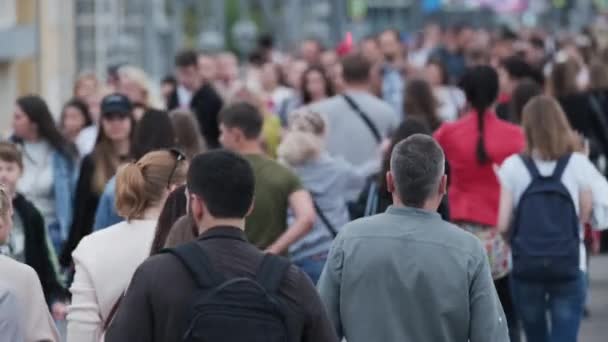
(210, 223)
(361, 87)
(250, 147)
(429, 205)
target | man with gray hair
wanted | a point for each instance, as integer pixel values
(406, 275)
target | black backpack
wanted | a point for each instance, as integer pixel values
(237, 309)
(546, 230)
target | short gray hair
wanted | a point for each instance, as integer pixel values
(417, 165)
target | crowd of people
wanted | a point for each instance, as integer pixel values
(449, 189)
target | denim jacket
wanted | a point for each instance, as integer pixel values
(106, 215)
(65, 178)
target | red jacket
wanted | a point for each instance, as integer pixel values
(474, 190)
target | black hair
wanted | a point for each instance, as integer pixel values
(445, 76)
(224, 181)
(186, 58)
(153, 132)
(174, 208)
(518, 68)
(170, 79)
(480, 85)
(329, 87)
(525, 90)
(243, 116)
(266, 41)
(420, 103)
(37, 111)
(82, 108)
(355, 68)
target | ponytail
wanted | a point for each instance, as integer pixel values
(480, 84)
(130, 191)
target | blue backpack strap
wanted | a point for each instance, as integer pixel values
(560, 167)
(194, 258)
(530, 165)
(271, 272)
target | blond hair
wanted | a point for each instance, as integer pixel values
(548, 132)
(141, 79)
(143, 184)
(304, 140)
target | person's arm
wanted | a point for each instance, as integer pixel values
(487, 318)
(304, 218)
(329, 285)
(11, 327)
(133, 320)
(505, 211)
(84, 314)
(586, 205)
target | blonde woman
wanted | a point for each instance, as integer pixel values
(105, 260)
(135, 84)
(331, 182)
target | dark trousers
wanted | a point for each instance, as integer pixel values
(503, 288)
(563, 301)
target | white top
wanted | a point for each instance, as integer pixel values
(184, 97)
(34, 315)
(85, 141)
(105, 262)
(578, 176)
(36, 183)
(451, 101)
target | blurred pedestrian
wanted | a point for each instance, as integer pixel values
(451, 98)
(420, 103)
(523, 92)
(272, 83)
(112, 148)
(547, 197)
(241, 126)
(136, 86)
(412, 244)
(311, 50)
(315, 85)
(188, 137)
(34, 322)
(175, 207)
(49, 166)
(330, 182)
(393, 69)
(98, 287)
(472, 146)
(75, 119)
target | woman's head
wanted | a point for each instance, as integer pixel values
(271, 76)
(86, 85)
(6, 213)
(33, 121)
(420, 102)
(133, 83)
(174, 208)
(564, 77)
(548, 133)
(153, 132)
(436, 73)
(187, 133)
(525, 90)
(316, 85)
(480, 85)
(144, 184)
(304, 140)
(74, 117)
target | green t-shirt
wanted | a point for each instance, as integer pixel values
(274, 184)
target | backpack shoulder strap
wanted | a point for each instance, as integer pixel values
(560, 167)
(330, 227)
(271, 272)
(194, 258)
(530, 165)
(364, 117)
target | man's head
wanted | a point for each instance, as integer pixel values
(240, 125)
(356, 69)
(310, 51)
(207, 67)
(221, 186)
(416, 177)
(186, 67)
(11, 166)
(390, 45)
(227, 67)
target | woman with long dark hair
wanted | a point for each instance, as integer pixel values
(473, 145)
(315, 85)
(75, 117)
(49, 165)
(420, 103)
(117, 126)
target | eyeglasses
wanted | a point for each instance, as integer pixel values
(179, 156)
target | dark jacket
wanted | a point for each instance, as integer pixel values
(156, 303)
(37, 253)
(85, 205)
(206, 104)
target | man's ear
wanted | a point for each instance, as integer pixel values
(251, 207)
(443, 185)
(197, 208)
(390, 182)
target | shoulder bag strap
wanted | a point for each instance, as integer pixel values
(113, 311)
(364, 117)
(330, 227)
(271, 272)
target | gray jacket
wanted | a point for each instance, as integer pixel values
(406, 275)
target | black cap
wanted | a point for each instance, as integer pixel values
(116, 103)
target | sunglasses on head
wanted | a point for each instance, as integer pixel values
(179, 156)
(115, 116)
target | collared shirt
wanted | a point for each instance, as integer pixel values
(407, 275)
(161, 292)
(393, 88)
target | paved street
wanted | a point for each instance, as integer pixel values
(595, 328)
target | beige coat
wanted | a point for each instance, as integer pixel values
(105, 262)
(23, 282)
